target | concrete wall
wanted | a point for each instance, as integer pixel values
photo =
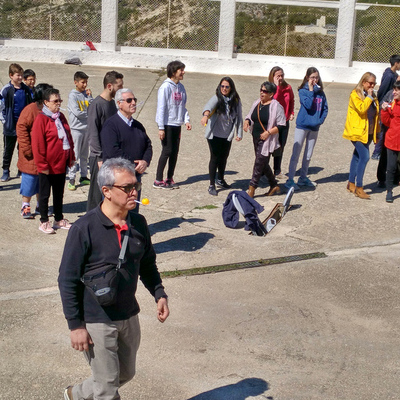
(223, 62)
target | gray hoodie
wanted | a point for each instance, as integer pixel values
(78, 102)
(171, 105)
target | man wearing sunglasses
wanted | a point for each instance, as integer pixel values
(123, 136)
(109, 335)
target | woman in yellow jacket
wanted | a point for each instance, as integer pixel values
(361, 128)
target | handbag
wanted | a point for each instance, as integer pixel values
(102, 282)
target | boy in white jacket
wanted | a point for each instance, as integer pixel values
(171, 115)
(78, 103)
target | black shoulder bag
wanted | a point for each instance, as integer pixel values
(102, 282)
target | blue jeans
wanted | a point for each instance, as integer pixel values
(359, 162)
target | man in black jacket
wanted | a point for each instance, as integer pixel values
(109, 335)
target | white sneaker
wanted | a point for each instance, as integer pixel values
(45, 227)
(63, 224)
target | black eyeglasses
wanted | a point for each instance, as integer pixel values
(225, 87)
(264, 91)
(128, 189)
(130, 99)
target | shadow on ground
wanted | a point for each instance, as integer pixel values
(239, 391)
(172, 223)
(203, 177)
(77, 207)
(184, 243)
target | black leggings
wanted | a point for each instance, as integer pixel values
(219, 152)
(55, 182)
(8, 150)
(170, 149)
(283, 135)
(392, 167)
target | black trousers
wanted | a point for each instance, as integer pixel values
(219, 153)
(393, 164)
(170, 149)
(283, 135)
(261, 166)
(55, 183)
(382, 165)
(9, 146)
(94, 195)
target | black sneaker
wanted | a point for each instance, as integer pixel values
(6, 175)
(212, 190)
(222, 183)
(389, 197)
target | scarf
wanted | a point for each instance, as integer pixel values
(59, 125)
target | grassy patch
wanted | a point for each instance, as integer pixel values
(207, 207)
(241, 265)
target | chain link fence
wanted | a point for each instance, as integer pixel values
(194, 25)
(174, 24)
(286, 30)
(376, 37)
(65, 20)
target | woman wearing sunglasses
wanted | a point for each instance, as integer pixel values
(222, 115)
(312, 114)
(265, 119)
(53, 152)
(361, 128)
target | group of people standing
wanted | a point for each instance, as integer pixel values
(375, 117)
(268, 122)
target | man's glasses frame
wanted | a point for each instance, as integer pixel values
(128, 189)
(129, 100)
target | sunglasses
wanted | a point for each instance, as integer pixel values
(265, 91)
(128, 189)
(225, 87)
(130, 99)
(58, 101)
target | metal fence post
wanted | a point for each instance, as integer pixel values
(109, 23)
(227, 28)
(345, 33)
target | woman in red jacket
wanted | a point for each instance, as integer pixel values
(284, 95)
(53, 152)
(26, 163)
(390, 116)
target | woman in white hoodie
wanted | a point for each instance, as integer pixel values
(171, 115)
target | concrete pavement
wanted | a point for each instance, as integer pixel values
(316, 329)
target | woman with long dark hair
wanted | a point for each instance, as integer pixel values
(284, 94)
(312, 114)
(361, 128)
(222, 115)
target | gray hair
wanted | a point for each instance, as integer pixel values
(118, 95)
(106, 175)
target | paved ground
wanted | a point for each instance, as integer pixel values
(317, 329)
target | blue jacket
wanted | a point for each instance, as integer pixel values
(388, 79)
(7, 107)
(313, 109)
(230, 214)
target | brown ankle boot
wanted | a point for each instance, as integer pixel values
(361, 194)
(251, 191)
(351, 187)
